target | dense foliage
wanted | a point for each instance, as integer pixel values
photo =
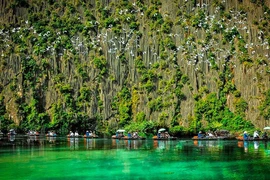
(101, 65)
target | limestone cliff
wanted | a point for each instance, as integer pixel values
(107, 64)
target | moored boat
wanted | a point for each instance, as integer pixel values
(90, 136)
(51, 134)
(133, 138)
(163, 135)
(128, 138)
(74, 136)
(212, 138)
(164, 138)
(241, 138)
(119, 134)
(33, 133)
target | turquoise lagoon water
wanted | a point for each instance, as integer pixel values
(62, 158)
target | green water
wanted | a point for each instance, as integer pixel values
(60, 158)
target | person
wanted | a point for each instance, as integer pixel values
(162, 134)
(158, 135)
(122, 134)
(87, 133)
(256, 135)
(200, 135)
(245, 136)
(71, 134)
(265, 136)
(135, 134)
(36, 133)
(167, 135)
(129, 135)
(210, 135)
(76, 133)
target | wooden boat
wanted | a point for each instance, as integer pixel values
(92, 136)
(33, 133)
(119, 134)
(128, 138)
(77, 136)
(164, 139)
(133, 138)
(212, 138)
(48, 135)
(117, 137)
(241, 138)
(51, 135)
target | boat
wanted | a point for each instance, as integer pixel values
(51, 134)
(117, 137)
(33, 133)
(119, 134)
(212, 138)
(241, 138)
(74, 136)
(133, 138)
(90, 136)
(164, 138)
(128, 138)
(163, 135)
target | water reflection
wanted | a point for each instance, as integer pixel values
(164, 144)
(90, 143)
(256, 145)
(204, 143)
(246, 146)
(126, 144)
(186, 146)
(11, 138)
(253, 146)
(73, 143)
(33, 140)
(240, 144)
(51, 139)
(133, 144)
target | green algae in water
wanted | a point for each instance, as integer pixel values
(122, 159)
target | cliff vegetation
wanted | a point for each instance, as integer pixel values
(186, 65)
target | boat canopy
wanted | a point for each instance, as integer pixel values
(161, 130)
(120, 130)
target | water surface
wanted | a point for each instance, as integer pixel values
(62, 158)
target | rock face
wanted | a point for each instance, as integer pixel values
(99, 64)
